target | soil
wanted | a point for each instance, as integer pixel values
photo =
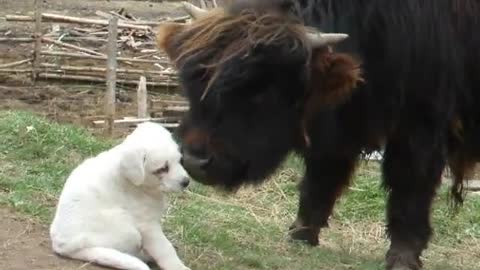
(25, 245)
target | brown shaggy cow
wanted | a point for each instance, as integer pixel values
(261, 83)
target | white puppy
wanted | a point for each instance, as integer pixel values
(110, 208)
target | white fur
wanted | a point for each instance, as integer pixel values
(110, 208)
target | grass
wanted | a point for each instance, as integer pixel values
(246, 230)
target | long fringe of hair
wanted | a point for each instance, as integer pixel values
(235, 36)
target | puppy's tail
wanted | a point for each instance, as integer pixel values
(110, 258)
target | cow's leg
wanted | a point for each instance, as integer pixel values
(412, 170)
(324, 180)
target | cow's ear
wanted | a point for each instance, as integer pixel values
(334, 76)
(165, 37)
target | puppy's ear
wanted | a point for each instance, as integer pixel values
(166, 33)
(133, 165)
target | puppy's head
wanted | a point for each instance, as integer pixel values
(151, 158)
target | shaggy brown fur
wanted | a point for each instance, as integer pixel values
(334, 77)
(234, 35)
(165, 34)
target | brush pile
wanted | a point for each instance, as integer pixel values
(73, 48)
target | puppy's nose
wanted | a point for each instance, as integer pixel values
(185, 182)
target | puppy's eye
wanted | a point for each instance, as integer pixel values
(162, 170)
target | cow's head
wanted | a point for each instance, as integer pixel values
(252, 74)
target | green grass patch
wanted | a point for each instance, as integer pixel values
(246, 230)
(36, 157)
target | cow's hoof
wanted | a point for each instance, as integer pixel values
(402, 260)
(401, 267)
(304, 234)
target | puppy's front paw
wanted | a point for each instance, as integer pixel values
(175, 266)
(179, 267)
(183, 267)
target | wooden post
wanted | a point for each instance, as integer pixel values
(142, 97)
(38, 39)
(111, 74)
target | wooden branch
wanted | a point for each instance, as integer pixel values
(48, 17)
(11, 70)
(128, 122)
(85, 56)
(142, 25)
(149, 51)
(70, 46)
(17, 63)
(142, 98)
(19, 18)
(178, 19)
(48, 75)
(70, 19)
(111, 76)
(38, 38)
(92, 39)
(176, 108)
(11, 39)
(99, 33)
(86, 31)
(121, 17)
(124, 19)
(168, 75)
(178, 101)
(104, 15)
(28, 40)
(169, 103)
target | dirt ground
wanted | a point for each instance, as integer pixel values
(74, 102)
(25, 245)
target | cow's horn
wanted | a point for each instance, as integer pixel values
(193, 11)
(325, 39)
